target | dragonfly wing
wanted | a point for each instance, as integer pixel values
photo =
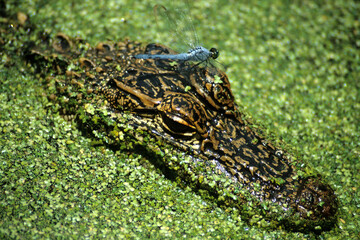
(178, 22)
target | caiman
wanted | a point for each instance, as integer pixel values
(185, 115)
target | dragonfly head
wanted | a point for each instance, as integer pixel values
(214, 53)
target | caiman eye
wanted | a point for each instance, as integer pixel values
(177, 125)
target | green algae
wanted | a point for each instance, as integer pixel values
(307, 94)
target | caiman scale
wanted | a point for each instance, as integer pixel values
(191, 109)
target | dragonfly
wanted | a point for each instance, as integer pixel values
(180, 23)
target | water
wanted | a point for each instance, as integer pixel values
(180, 23)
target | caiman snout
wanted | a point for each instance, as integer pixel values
(315, 200)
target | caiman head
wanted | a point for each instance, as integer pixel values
(196, 109)
(193, 108)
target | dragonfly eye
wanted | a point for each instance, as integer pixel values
(214, 53)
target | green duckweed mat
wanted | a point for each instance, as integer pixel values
(294, 66)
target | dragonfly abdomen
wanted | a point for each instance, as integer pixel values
(181, 56)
